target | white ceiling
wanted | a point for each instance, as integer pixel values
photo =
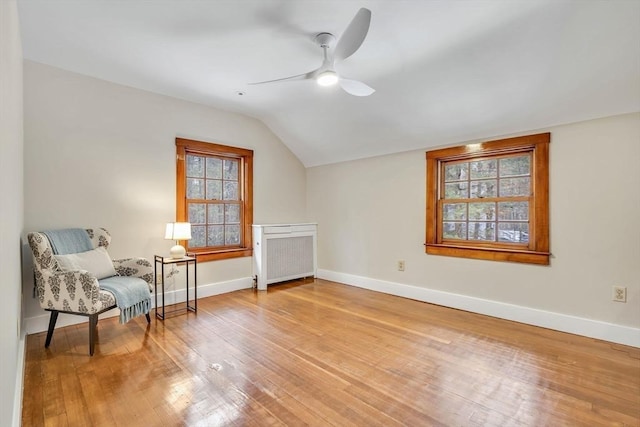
(444, 71)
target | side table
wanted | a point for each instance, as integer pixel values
(161, 262)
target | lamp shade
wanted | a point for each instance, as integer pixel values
(178, 231)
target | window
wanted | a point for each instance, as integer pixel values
(214, 194)
(490, 200)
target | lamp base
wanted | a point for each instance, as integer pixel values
(177, 252)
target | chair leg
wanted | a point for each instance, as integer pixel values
(93, 325)
(148, 318)
(52, 325)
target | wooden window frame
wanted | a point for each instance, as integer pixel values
(537, 249)
(245, 157)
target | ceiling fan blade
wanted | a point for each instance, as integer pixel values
(304, 76)
(353, 36)
(356, 88)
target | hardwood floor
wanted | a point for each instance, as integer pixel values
(322, 353)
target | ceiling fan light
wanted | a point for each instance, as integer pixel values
(327, 78)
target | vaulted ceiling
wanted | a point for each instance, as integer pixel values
(444, 71)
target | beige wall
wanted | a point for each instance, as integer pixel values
(98, 153)
(371, 214)
(11, 212)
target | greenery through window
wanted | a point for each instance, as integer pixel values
(215, 196)
(490, 200)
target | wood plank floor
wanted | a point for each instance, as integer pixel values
(320, 353)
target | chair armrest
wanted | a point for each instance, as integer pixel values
(135, 267)
(75, 291)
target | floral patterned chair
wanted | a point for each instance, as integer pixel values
(87, 282)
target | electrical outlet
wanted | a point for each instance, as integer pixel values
(401, 265)
(619, 294)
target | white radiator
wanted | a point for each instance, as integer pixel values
(283, 252)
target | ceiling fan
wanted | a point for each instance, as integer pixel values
(348, 44)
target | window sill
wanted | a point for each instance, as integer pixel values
(493, 254)
(208, 255)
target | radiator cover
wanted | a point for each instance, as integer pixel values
(283, 252)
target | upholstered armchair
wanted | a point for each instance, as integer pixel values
(74, 274)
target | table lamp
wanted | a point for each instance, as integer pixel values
(178, 231)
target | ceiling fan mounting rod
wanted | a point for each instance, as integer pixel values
(326, 63)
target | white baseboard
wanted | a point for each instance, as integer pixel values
(560, 322)
(531, 316)
(40, 323)
(17, 397)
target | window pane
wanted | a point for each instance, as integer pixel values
(197, 236)
(485, 188)
(484, 169)
(215, 214)
(214, 168)
(232, 214)
(520, 165)
(232, 234)
(459, 190)
(214, 189)
(482, 211)
(513, 232)
(454, 230)
(515, 187)
(215, 235)
(482, 231)
(230, 190)
(195, 166)
(453, 211)
(456, 172)
(196, 213)
(231, 170)
(509, 211)
(195, 188)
